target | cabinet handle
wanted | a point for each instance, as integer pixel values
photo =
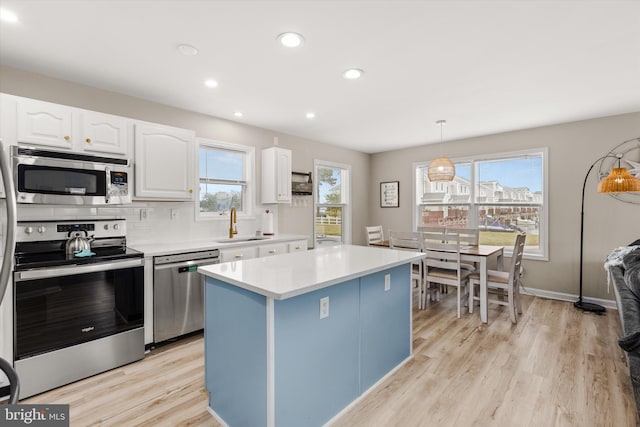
(239, 255)
(298, 247)
(88, 140)
(273, 251)
(191, 190)
(67, 137)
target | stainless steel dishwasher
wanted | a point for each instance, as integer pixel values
(178, 293)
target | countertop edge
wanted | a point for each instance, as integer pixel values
(169, 248)
(313, 287)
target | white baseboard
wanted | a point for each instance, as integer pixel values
(610, 304)
(217, 417)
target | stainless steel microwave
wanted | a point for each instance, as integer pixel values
(53, 177)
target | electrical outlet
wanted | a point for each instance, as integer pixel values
(144, 214)
(387, 282)
(324, 307)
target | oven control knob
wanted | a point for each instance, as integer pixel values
(28, 230)
(116, 226)
(106, 226)
(42, 229)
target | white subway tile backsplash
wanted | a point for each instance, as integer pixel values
(158, 226)
(75, 212)
(34, 212)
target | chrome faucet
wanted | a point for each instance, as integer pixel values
(232, 220)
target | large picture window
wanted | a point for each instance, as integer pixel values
(225, 177)
(499, 194)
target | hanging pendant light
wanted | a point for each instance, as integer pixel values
(441, 169)
(619, 180)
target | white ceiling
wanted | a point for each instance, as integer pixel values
(484, 66)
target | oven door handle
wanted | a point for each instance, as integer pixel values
(74, 270)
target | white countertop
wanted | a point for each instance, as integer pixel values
(288, 275)
(168, 248)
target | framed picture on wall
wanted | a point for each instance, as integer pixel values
(389, 194)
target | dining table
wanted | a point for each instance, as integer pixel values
(479, 254)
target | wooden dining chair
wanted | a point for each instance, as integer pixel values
(499, 282)
(409, 241)
(466, 237)
(442, 267)
(374, 234)
(432, 232)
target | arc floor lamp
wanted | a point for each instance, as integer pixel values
(619, 180)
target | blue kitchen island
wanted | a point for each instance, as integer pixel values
(293, 339)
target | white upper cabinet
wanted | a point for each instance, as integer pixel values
(61, 127)
(163, 162)
(44, 123)
(103, 133)
(276, 175)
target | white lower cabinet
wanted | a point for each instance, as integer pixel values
(272, 249)
(297, 246)
(238, 254)
(262, 250)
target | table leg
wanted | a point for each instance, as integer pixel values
(483, 289)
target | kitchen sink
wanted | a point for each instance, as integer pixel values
(241, 239)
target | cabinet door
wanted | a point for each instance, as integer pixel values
(297, 246)
(276, 175)
(44, 123)
(164, 162)
(283, 176)
(272, 249)
(103, 133)
(238, 254)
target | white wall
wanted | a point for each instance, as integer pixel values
(573, 147)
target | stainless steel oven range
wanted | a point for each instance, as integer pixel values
(75, 314)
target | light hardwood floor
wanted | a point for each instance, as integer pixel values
(556, 367)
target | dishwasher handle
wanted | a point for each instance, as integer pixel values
(186, 266)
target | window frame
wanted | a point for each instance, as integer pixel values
(248, 200)
(345, 196)
(542, 254)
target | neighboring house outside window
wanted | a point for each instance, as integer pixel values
(332, 211)
(498, 194)
(225, 176)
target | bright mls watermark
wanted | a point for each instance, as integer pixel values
(34, 415)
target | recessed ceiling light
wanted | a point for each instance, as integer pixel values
(291, 39)
(187, 50)
(238, 114)
(352, 73)
(8, 16)
(211, 83)
(311, 115)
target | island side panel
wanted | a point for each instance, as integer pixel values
(316, 360)
(236, 353)
(385, 322)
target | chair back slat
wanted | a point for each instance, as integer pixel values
(444, 255)
(467, 236)
(374, 234)
(407, 240)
